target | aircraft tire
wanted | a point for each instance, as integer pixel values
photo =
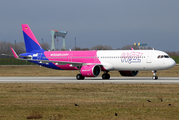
(155, 77)
(106, 76)
(79, 77)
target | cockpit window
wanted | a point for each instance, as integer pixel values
(163, 56)
(166, 56)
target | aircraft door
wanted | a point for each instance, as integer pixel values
(149, 57)
(96, 59)
(70, 58)
(39, 56)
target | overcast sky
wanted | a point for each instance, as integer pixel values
(94, 22)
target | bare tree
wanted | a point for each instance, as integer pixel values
(45, 46)
(173, 54)
(5, 48)
(128, 47)
(117, 48)
(101, 47)
(19, 48)
(78, 48)
(85, 49)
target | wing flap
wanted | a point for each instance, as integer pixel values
(74, 64)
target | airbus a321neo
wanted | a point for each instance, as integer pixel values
(91, 63)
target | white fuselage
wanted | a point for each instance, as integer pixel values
(135, 60)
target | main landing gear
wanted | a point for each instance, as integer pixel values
(106, 75)
(80, 77)
(154, 75)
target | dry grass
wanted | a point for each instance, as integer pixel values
(34, 115)
(42, 71)
(96, 101)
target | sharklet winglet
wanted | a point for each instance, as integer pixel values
(15, 54)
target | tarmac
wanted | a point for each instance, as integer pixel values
(91, 80)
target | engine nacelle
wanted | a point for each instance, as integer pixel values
(90, 70)
(128, 73)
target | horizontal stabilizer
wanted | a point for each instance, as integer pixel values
(7, 55)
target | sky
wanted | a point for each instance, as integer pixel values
(115, 23)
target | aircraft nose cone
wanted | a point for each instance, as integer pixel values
(172, 63)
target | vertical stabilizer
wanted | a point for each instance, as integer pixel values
(31, 43)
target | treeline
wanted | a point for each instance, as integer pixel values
(126, 47)
(20, 48)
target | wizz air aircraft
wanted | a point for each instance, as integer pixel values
(92, 63)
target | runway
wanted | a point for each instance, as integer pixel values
(96, 80)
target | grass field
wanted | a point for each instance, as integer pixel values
(13, 61)
(95, 102)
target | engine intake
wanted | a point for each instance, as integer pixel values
(90, 70)
(128, 73)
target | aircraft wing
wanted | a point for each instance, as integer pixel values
(29, 58)
(74, 64)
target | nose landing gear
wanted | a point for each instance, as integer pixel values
(154, 75)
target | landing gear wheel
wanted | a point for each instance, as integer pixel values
(106, 76)
(103, 76)
(80, 77)
(154, 75)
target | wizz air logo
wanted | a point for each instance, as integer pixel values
(131, 57)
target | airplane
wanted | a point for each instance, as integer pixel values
(91, 63)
